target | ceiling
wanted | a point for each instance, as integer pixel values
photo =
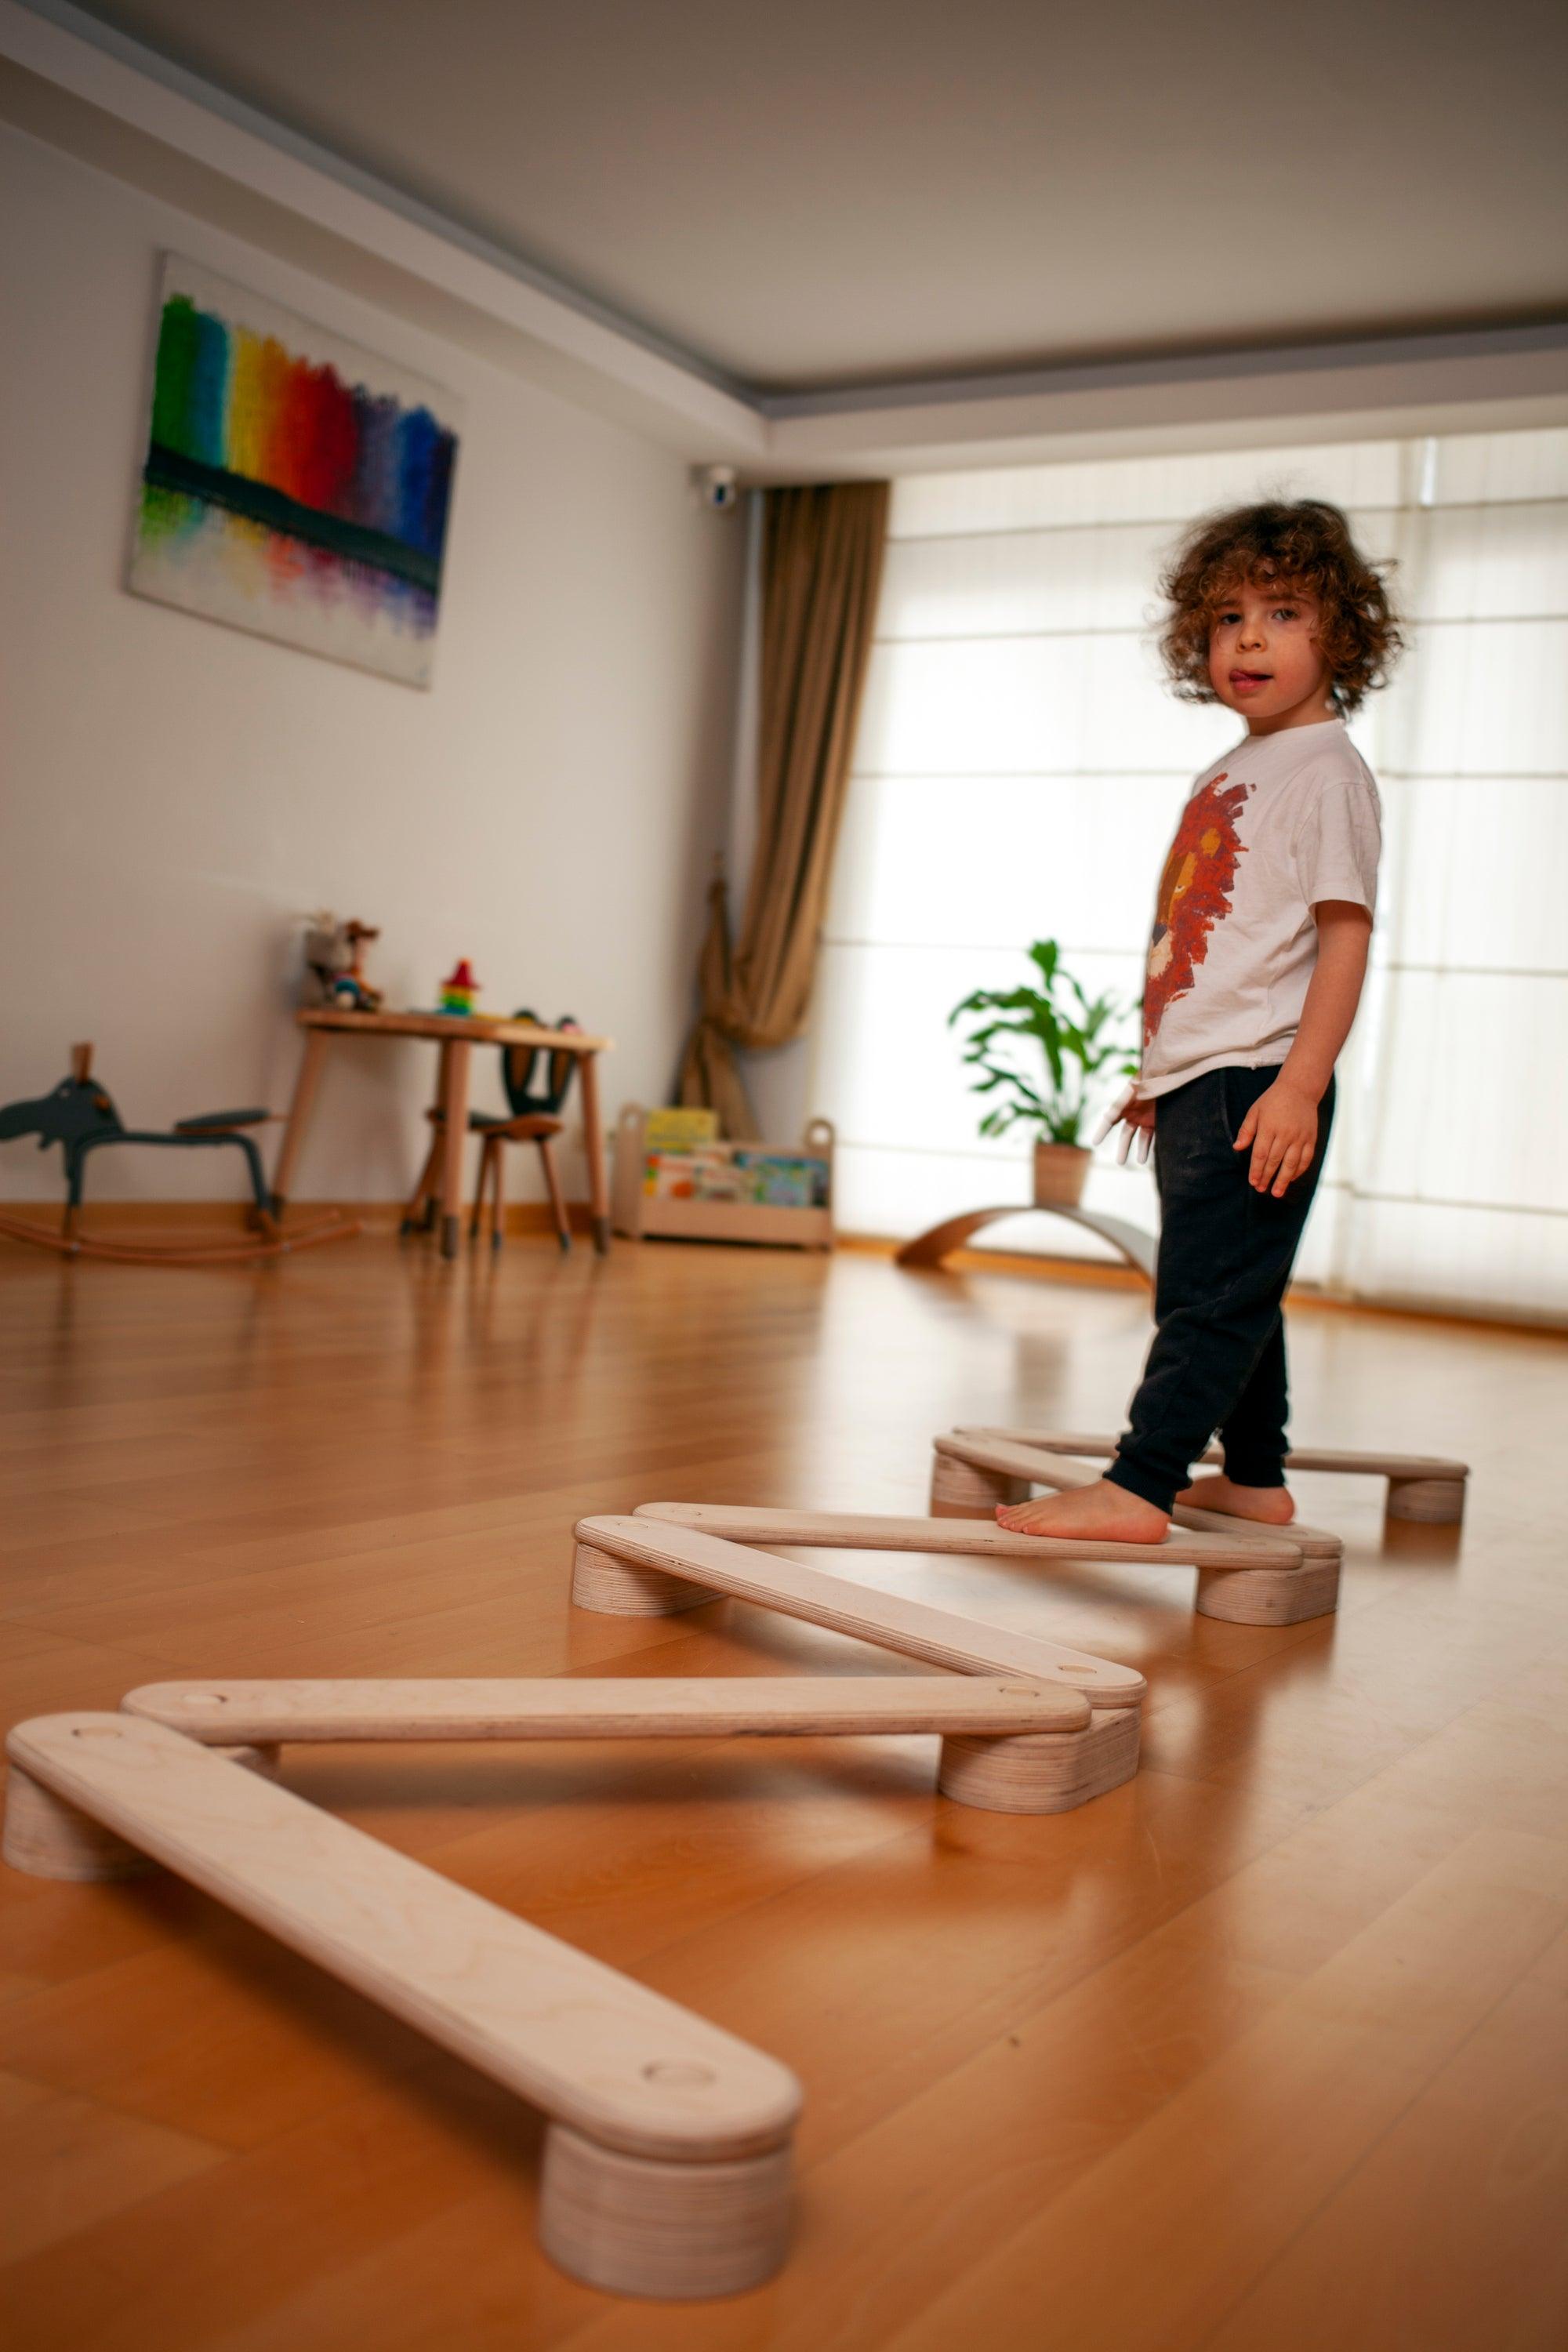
(830, 193)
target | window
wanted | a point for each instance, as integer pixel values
(1020, 767)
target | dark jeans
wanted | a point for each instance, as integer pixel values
(1225, 1253)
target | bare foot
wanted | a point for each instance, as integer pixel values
(1103, 1513)
(1275, 1506)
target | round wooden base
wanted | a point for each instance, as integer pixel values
(616, 1589)
(1269, 1596)
(49, 1839)
(960, 1491)
(634, 2225)
(1435, 1502)
(1040, 1773)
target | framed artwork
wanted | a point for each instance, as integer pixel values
(294, 485)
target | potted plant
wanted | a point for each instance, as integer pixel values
(1081, 1045)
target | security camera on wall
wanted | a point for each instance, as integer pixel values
(717, 487)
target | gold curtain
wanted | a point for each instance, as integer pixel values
(822, 568)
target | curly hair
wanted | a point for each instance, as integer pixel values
(1306, 545)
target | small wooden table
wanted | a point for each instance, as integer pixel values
(457, 1033)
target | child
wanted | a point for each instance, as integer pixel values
(1261, 929)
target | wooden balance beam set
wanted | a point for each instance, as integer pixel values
(1421, 1486)
(1263, 1576)
(668, 2156)
(668, 2153)
(675, 1555)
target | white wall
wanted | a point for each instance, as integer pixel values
(176, 794)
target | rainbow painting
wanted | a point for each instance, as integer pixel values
(294, 485)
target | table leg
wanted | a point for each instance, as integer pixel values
(305, 1084)
(594, 1144)
(454, 1136)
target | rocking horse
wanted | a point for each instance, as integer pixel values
(81, 1118)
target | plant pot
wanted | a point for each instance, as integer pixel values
(1060, 1170)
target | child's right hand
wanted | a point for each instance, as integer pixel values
(1136, 1120)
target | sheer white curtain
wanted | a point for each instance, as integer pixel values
(1019, 770)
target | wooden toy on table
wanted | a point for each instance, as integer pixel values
(334, 959)
(1262, 1576)
(1422, 1487)
(460, 990)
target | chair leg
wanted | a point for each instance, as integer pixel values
(424, 1193)
(477, 1211)
(562, 1223)
(498, 1206)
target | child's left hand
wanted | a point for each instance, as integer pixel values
(1281, 1132)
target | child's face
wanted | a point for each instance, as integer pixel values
(1264, 659)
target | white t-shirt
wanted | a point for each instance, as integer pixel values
(1282, 821)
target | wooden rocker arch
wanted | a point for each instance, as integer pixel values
(1131, 1242)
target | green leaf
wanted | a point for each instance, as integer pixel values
(1078, 1050)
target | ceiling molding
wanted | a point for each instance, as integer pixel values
(118, 79)
(1461, 381)
(125, 108)
(154, 65)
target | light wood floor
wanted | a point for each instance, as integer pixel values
(1266, 2050)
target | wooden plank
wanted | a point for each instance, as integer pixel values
(381, 1522)
(232, 1713)
(1247, 2163)
(992, 1449)
(1441, 2226)
(938, 1635)
(74, 2161)
(978, 1538)
(1373, 1464)
(479, 1028)
(617, 2063)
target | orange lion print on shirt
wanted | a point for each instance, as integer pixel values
(1194, 895)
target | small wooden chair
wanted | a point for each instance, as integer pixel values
(534, 1117)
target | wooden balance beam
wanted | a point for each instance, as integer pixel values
(1422, 1487)
(265, 1716)
(950, 1532)
(647, 1566)
(666, 2160)
(1244, 1578)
